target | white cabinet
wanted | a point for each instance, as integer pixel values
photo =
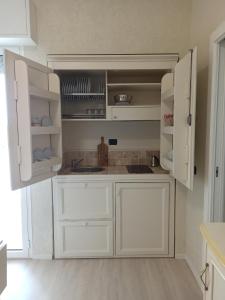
(3, 267)
(85, 200)
(138, 76)
(84, 239)
(136, 113)
(153, 83)
(83, 219)
(143, 89)
(17, 23)
(144, 219)
(213, 274)
(32, 94)
(213, 277)
(33, 90)
(178, 110)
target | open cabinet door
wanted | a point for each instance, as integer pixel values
(184, 118)
(34, 120)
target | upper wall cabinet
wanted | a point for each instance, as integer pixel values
(89, 88)
(178, 107)
(17, 23)
(141, 89)
(34, 120)
(111, 87)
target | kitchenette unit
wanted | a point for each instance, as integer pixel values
(57, 115)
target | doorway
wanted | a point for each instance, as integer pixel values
(215, 161)
(218, 205)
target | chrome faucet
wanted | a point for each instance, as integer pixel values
(75, 163)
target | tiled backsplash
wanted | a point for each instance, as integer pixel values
(116, 158)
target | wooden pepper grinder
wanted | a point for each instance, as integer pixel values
(103, 153)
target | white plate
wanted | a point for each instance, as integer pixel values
(47, 153)
(38, 154)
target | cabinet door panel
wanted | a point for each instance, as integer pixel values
(29, 83)
(84, 239)
(77, 201)
(136, 113)
(215, 279)
(184, 118)
(142, 219)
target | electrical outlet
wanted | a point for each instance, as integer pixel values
(112, 141)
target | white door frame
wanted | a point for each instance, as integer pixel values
(216, 38)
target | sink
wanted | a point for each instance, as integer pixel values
(87, 169)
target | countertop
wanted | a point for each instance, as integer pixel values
(115, 173)
(111, 170)
(214, 234)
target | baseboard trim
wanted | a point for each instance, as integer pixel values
(191, 266)
(44, 256)
(194, 272)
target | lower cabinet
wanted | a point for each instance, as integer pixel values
(142, 219)
(89, 221)
(83, 219)
(84, 239)
(213, 278)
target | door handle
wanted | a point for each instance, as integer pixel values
(201, 276)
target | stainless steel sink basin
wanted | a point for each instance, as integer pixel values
(87, 169)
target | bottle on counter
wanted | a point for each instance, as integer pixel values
(103, 153)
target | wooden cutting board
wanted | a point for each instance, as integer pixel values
(103, 153)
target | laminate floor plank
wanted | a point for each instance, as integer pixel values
(101, 279)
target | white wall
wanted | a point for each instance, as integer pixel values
(112, 26)
(129, 135)
(41, 216)
(206, 16)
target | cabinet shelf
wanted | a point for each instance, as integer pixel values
(44, 94)
(84, 94)
(38, 130)
(168, 95)
(168, 130)
(78, 120)
(136, 106)
(144, 85)
(47, 163)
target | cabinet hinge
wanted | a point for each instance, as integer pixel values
(195, 170)
(189, 119)
(19, 154)
(217, 171)
(15, 93)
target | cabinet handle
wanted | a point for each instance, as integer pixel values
(115, 117)
(202, 274)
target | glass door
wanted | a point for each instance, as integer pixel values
(13, 208)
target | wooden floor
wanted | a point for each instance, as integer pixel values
(101, 279)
